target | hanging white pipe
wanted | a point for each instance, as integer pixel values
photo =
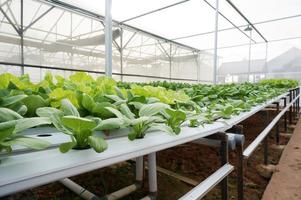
(108, 38)
(215, 42)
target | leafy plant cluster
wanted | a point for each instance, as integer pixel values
(82, 106)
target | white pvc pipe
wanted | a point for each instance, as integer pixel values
(79, 190)
(215, 42)
(152, 173)
(108, 37)
(139, 169)
(122, 192)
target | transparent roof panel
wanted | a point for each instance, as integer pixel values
(288, 28)
(259, 10)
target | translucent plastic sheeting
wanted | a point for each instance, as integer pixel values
(282, 29)
(145, 56)
(284, 59)
(10, 69)
(258, 10)
(233, 64)
(206, 59)
(184, 64)
(9, 52)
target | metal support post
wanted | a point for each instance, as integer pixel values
(108, 37)
(170, 61)
(239, 161)
(152, 175)
(265, 141)
(215, 42)
(240, 170)
(290, 111)
(21, 33)
(249, 61)
(298, 102)
(121, 54)
(277, 137)
(224, 160)
(285, 115)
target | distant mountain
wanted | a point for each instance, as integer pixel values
(289, 61)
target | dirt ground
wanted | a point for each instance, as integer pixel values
(191, 160)
(285, 183)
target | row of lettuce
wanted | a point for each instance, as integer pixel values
(81, 106)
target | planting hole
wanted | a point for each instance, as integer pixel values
(44, 135)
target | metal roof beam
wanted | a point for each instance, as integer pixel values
(75, 9)
(154, 11)
(240, 26)
(230, 22)
(37, 19)
(246, 19)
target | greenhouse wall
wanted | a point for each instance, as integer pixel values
(64, 41)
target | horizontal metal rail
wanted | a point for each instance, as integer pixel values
(98, 72)
(203, 188)
(251, 148)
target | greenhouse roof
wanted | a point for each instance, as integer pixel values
(191, 22)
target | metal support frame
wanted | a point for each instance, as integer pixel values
(224, 160)
(261, 138)
(203, 188)
(215, 42)
(108, 38)
(21, 33)
(220, 140)
(291, 109)
(277, 131)
(239, 160)
(246, 19)
(285, 114)
(38, 18)
(265, 140)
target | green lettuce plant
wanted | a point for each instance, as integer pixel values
(80, 130)
(12, 124)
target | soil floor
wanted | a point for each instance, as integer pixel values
(286, 181)
(190, 160)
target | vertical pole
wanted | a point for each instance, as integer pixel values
(239, 138)
(215, 42)
(21, 33)
(108, 38)
(139, 171)
(266, 61)
(224, 160)
(152, 174)
(265, 141)
(285, 115)
(277, 125)
(198, 67)
(298, 101)
(121, 54)
(294, 104)
(290, 111)
(249, 63)
(170, 61)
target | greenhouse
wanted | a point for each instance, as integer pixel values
(141, 99)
